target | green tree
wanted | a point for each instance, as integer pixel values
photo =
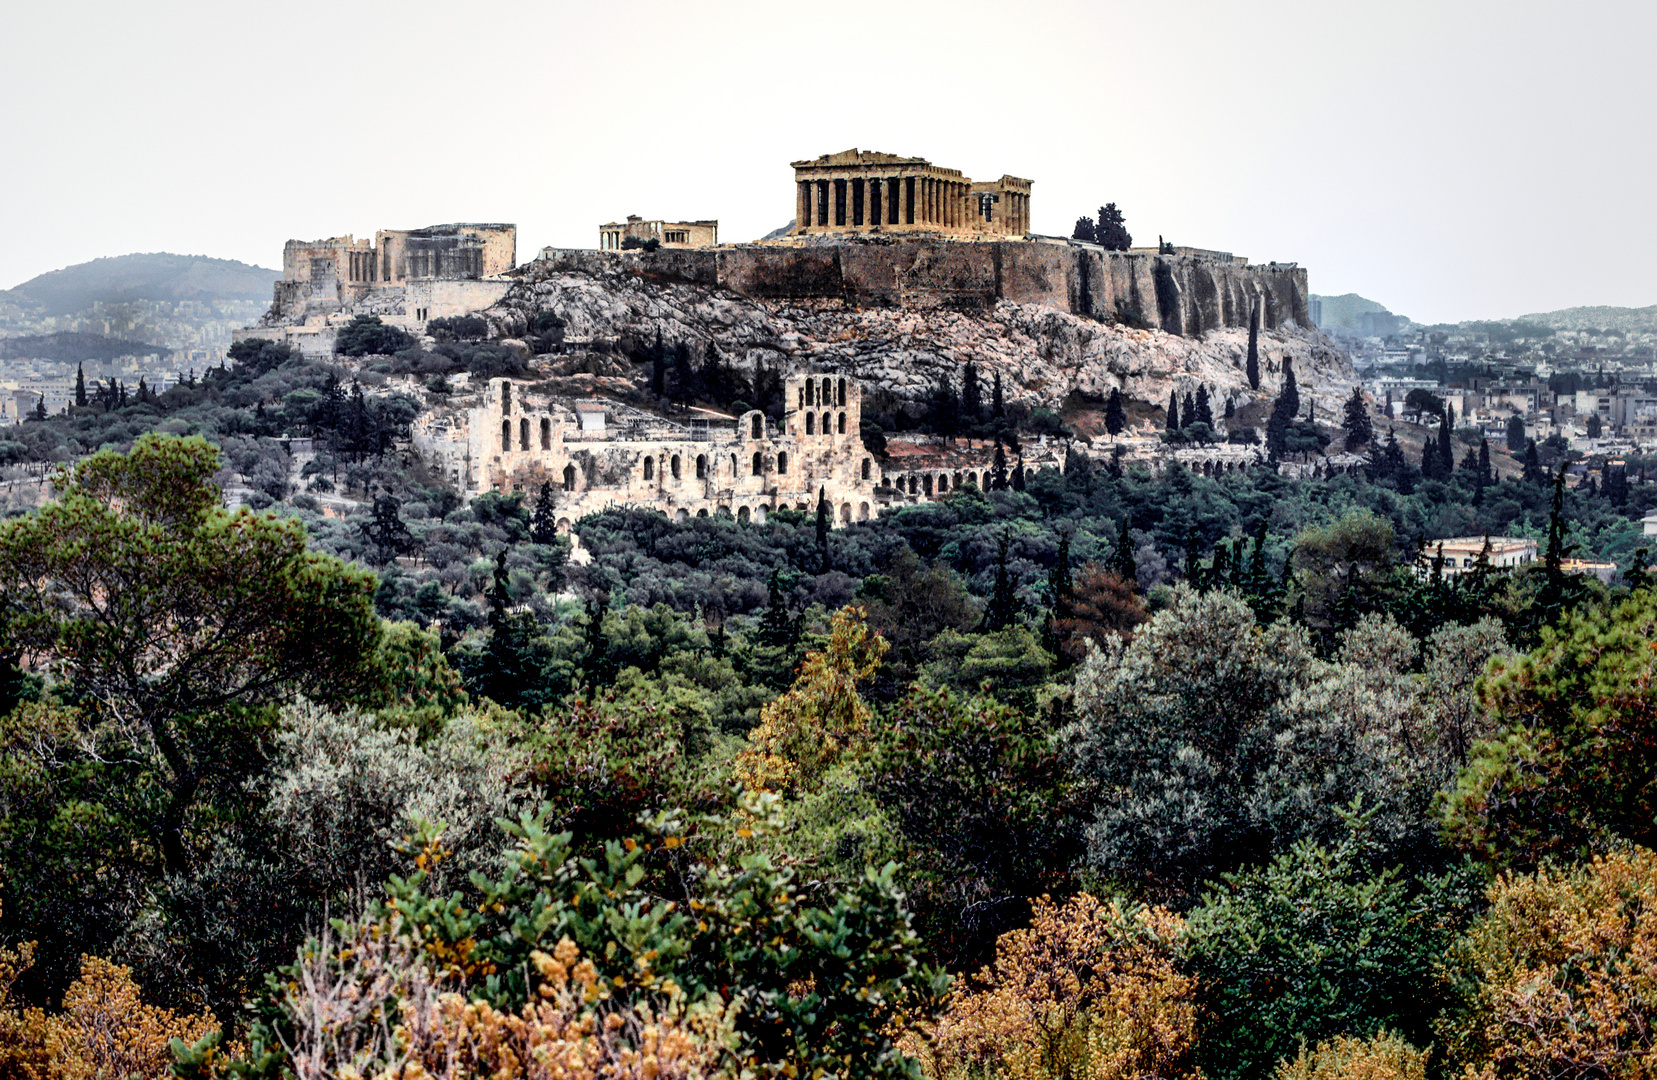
(1252, 368)
(80, 386)
(1320, 943)
(1359, 430)
(366, 335)
(1175, 421)
(1115, 420)
(1571, 768)
(160, 609)
(1515, 434)
(972, 395)
(1111, 233)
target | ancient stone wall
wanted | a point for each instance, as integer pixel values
(514, 438)
(1181, 294)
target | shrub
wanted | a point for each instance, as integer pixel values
(366, 335)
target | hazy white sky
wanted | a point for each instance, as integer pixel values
(1450, 159)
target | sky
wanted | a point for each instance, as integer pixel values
(1451, 160)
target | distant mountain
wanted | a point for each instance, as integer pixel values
(777, 234)
(1622, 319)
(1344, 312)
(69, 347)
(156, 276)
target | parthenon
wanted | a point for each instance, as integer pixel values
(858, 191)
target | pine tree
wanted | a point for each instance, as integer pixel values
(1115, 420)
(1359, 431)
(1254, 346)
(972, 396)
(80, 387)
(1112, 231)
(998, 407)
(1084, 231)
(1205, 413)
(1173, 411)
(1551, 600)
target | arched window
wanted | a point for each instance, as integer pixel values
(841, 425)
(926, 484)
(972, 478)
(782, 463)
(506, 433)
(841, 395)
(810, 392)
(546, 433)
(523, 434)
(759, 464)
(914, 485)
(943, 483)
(845, 513)
(650, 468)
(742, 513)
(506, 397)
(811, 423)
(674, 465)
(863, 511)
(701, 466)
(865, 468)
(759, 426)
(828, 391)
(828, 422)
(569, 478)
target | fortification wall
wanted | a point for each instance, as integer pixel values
(1181, 294)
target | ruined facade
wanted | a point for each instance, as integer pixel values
(406, 277)
(597, 454)
(670, 234)
(858, 191)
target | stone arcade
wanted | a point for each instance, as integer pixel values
(597, 454)
(857, 191)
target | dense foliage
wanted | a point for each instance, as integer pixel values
(1174, 774)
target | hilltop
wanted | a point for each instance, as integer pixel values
(158, 276)
(70, 346)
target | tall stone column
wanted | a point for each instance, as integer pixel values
(802, 205)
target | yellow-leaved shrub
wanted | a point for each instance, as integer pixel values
(104, 1031)
(1086, 992)
(1384, 1056)
(1561, 974)
(805, 731)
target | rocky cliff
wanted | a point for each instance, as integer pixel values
(1046, 358)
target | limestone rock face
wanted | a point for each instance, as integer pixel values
(1045, 357)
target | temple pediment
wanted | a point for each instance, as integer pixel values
(854, 156)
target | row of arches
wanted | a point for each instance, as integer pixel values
(829, 425)
(943, 483)
(757, 514)
(524, 431)
(832, 392)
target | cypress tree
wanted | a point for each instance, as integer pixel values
(1254, 345)
(1018, 474)
(972, 398)
(1115, 419)
(1059, 581)
(824, 516)
(1515, 434)
(1002, 610)
(1484, 462)
(80, 387)
(1205, 412)
(1533, 465)
(1173, 411)
(543, 526)
(1446, 449)
(1122, 562)
(1429, 459)
(1359, 431)
(1188, 410)
(1291, 390)
(1230, 407)
(998, 407)
(998, 470)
